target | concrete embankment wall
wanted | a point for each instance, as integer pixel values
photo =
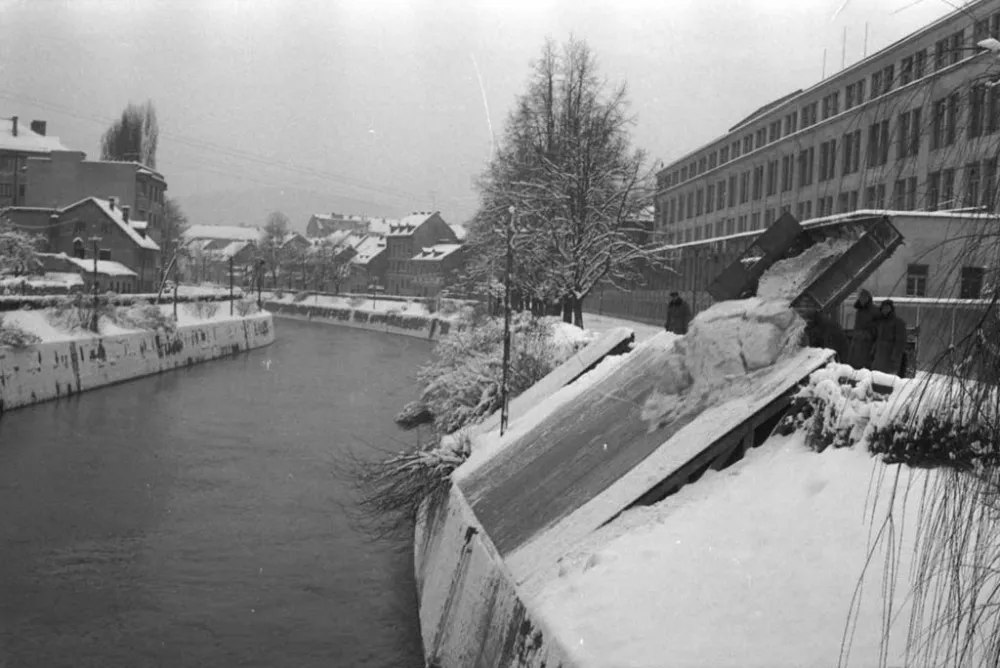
(50, 370)
(470, 612)
(418, 326)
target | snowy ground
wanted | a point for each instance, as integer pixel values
(756, 565)
(602, 323)
(38, 322)
(50, 280)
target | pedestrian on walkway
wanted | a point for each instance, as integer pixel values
(890, 340)
(678, 315)
(863, 339)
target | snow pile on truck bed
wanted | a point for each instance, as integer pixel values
(754, 566)
(717, 358)
(788, 278)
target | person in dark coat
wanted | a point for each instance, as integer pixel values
(678, 315)
(863, 341)
(890, 340)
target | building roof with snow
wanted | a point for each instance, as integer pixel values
(227, 232)
(26, 140)
(104, 267)
(409, 224)
(114, 214)
(436, 252)
(367, 249)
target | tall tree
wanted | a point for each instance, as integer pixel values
(134, 136)
(577, 188)
(18, 249)
(175, 224)
(272, 245)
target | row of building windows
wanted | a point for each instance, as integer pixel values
(780, 174)
(938, 192)
(947, 52)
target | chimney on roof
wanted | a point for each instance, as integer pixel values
(38, 127)
(125, 211)
(14, 120)
(111, 202)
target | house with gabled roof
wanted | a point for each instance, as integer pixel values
(368, 264)
(405, 240)
(94, 224)
(19, 142)
(435, 267)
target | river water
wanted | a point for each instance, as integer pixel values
(202, 518)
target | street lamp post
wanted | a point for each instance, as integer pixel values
(260, 281)
(506, 326)
(93, 324)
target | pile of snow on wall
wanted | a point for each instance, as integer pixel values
(717, 358)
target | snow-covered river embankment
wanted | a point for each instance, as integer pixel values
(648, 514)
(62, 361)
(390, 317)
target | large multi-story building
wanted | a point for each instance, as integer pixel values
(915, 126)
(18, 142)
(61, 177)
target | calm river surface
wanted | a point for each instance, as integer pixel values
(199, 518)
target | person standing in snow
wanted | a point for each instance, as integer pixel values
(890, 340)
(678, 315)
(863, 341)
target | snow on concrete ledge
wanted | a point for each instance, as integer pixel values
(62, 368)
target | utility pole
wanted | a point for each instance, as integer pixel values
(506, 326)
(93, 324)
(260, 281)
(230, 285)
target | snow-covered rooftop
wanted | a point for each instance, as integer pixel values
(230, 232)
(27, 140)
(367, 249)
(115, 215)
(105, 267)
(436, 252)
(409, 224)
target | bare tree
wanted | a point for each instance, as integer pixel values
(134, 136)
(175, 224)
(272, 245)
(576, 187)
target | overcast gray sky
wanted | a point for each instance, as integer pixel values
(379, 100)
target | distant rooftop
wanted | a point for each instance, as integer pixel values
(229, 232)
(26, 139)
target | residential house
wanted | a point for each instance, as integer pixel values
(434, 268)
(18, 143)
(324, 224)
(77, 229)
(111, 276)
(368, 264)
(406, 239)
(211, 247)
(61, 177)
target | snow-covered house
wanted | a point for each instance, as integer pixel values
(110, 275)
(110, 228)
(211, 247)
(19, 142)
(434, 268)
(405, 240)
(368, 264)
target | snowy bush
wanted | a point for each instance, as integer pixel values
(463, 383)
(76, 312)
(245, 307)
(278, 293)
(143, 315)
(15, 337)
(202, 310)
(301, 296)
(392, 489)
(356, 302)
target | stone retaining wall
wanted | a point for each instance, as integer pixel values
(419, 326)
(51, 370)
